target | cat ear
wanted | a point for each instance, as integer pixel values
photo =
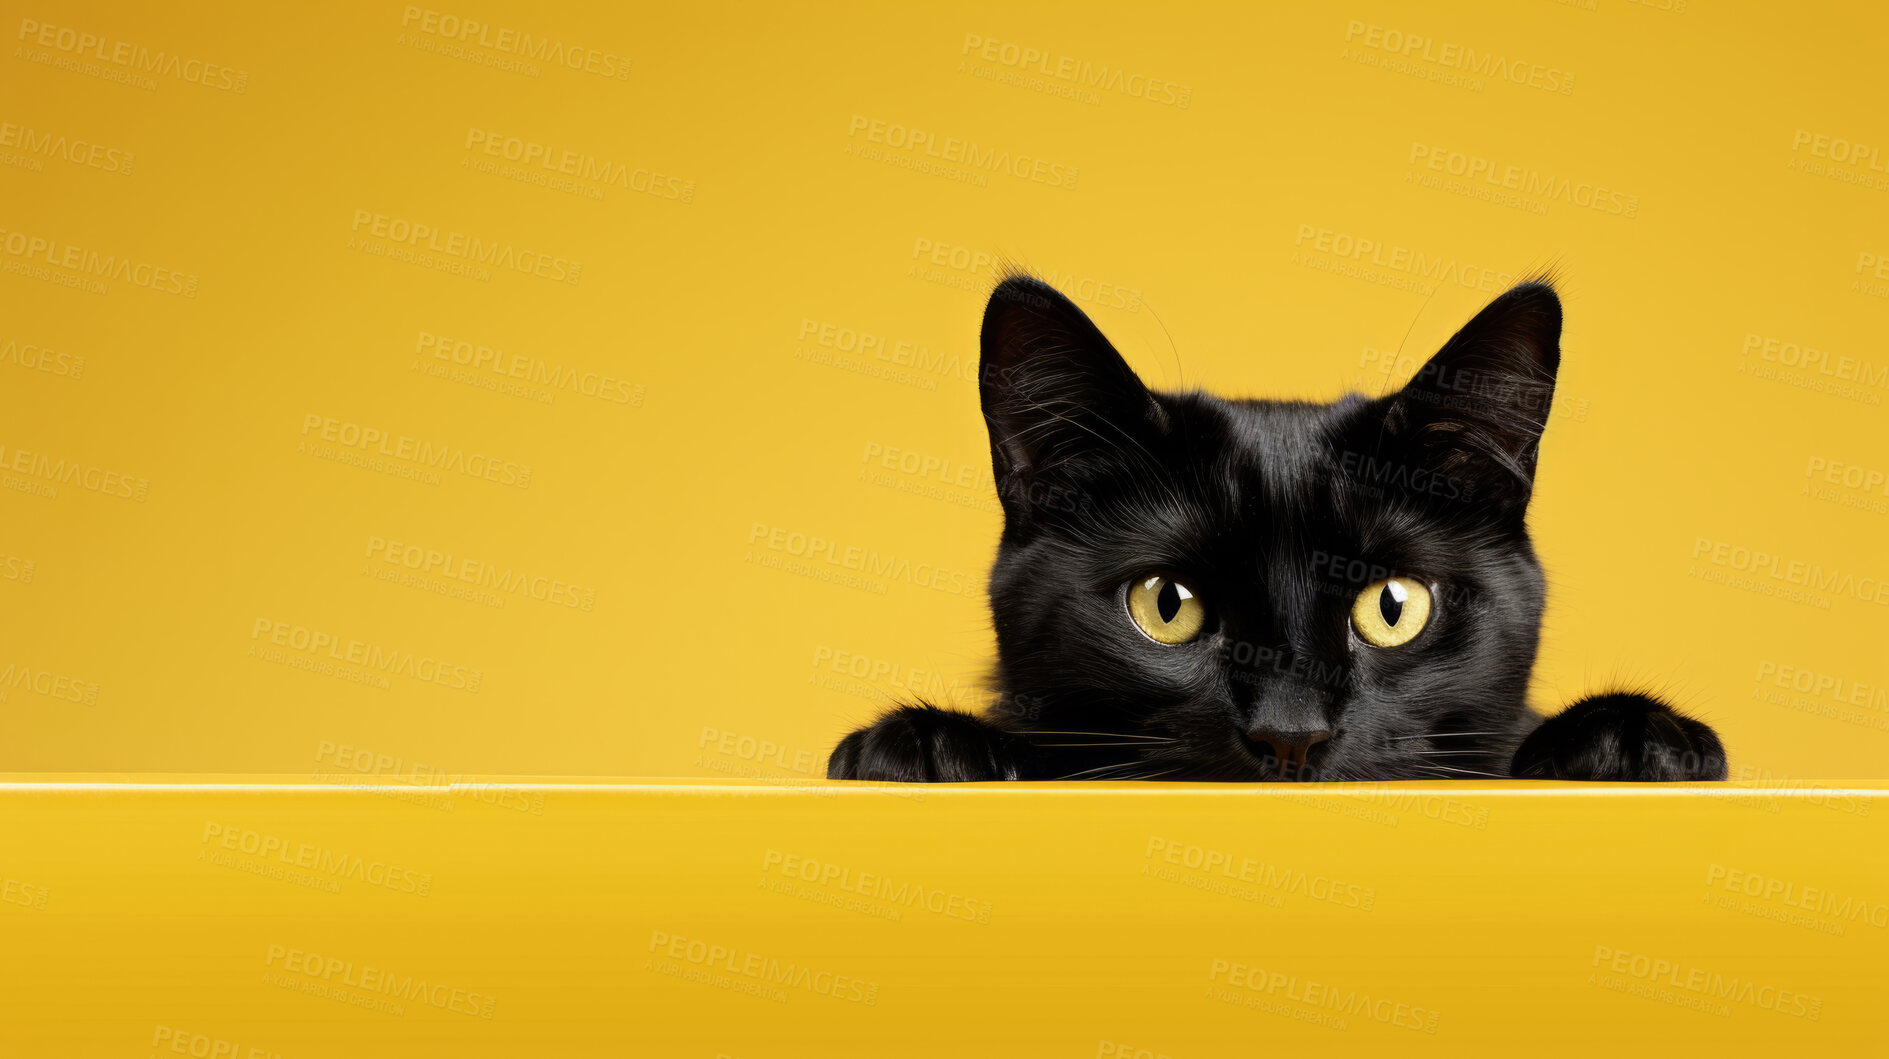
(1055, 392)
(1474, 414)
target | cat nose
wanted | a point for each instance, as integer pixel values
(1289, 749)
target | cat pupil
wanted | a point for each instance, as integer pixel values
(1169, 601)
(1389, 605)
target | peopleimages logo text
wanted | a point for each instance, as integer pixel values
(131, 56)
(437, 457)
(959, 151)
(472, 32)
(422, 236)
(1453, 56)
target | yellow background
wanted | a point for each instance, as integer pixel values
(701, 650)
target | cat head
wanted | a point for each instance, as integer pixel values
(1249, 589)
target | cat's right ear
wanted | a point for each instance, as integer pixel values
(1056, 394)
(1474, 414)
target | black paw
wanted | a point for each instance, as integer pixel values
(923, 744)
(1621, 736)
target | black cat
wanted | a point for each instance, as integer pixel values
(1194, 588)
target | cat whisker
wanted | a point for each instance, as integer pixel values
(1100, 735)
(1475, 773)
(1104, 768)
(1150, 776)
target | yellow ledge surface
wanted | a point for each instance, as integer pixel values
(257, 916)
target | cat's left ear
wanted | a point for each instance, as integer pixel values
(1474, 414)
(1057, 396)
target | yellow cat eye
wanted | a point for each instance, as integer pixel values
(1391, 612)
(1165, 609)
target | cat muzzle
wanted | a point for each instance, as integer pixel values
(1284, 753)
